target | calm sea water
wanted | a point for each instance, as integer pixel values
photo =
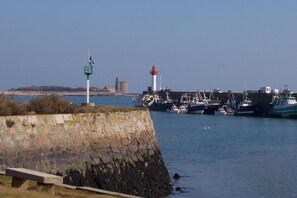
(224, 156)
(229, 156)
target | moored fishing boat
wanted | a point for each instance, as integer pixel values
(153, 102)
(177, 110)
(173, 109)
(210, 105)
(229, 106)
(245, 107)
(142, 100)
(220, 112)
(183, 103)
(285, 105)
(183, 109)
(159, 104)
(229, 111)
(145, 100)
(196, 106)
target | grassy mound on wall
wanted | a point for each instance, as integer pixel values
(50, 104)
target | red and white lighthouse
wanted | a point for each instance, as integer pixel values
(154, 73)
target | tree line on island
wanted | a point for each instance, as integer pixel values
(59, 89)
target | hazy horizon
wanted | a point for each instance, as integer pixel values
(231, 45)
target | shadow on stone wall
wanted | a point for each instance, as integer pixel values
(147, 178)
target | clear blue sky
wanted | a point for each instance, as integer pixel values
(227, 44)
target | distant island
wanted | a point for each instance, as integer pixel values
(59, 88)
(63, 91)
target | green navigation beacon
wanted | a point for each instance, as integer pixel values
(88, 70)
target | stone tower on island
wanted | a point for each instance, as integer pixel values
(121, 86)
(117, 85)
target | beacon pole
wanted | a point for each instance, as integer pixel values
(88, 89)
(88, 70)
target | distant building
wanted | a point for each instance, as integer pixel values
(121, 86)
(266, 90)
(110, 88)
(117, 85)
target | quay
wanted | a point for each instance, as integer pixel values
(260, 100)
(261, 103)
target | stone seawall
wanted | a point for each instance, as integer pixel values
(116, 151)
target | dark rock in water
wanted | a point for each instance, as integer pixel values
(176, 176)
(178, 189)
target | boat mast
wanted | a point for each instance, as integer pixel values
(160, 83)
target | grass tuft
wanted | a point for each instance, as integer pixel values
(9, 107)
(51, 104)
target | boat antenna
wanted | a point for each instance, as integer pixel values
(160, 82)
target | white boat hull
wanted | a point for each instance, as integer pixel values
(220, 113)
(174, 111)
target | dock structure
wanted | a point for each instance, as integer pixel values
(223, 97)
(260, 100)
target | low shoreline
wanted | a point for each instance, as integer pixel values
(63, 93)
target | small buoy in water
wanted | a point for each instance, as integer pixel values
(176, 176)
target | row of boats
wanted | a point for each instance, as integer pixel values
(282, 105)
(201, 104)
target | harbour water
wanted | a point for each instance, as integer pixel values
(219, 156)
(223, 156)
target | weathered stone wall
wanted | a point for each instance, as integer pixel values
(115, 151)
